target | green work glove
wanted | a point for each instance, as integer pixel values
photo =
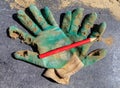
(47, 36)
(76, 32)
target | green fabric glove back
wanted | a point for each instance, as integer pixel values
(47, 36)
(76, 32)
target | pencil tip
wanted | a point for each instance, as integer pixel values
(92, 39)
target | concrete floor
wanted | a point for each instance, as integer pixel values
(18, 74)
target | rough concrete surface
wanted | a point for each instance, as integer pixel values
(18, 74)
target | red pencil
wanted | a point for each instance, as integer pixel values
(66, 47)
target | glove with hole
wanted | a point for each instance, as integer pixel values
(47, 35)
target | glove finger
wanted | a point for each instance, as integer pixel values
(14, 32)
(29, 56)
(66, 22)
(39, 17)
(87, 24)
(96, 32)
(76, 20)
(99, 30)
(28, 23)
(49, 17)
(94, 56)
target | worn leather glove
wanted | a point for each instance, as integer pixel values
(76, 32)
(48, 36)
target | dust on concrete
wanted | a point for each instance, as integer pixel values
(65, 3)
(20, 4)
(112, 5)
(108, 41)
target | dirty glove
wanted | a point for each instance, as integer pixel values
(76, 32)
(47, 36)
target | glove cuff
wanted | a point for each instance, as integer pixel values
(62, 75)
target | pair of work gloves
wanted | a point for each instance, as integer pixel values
(46, 35)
